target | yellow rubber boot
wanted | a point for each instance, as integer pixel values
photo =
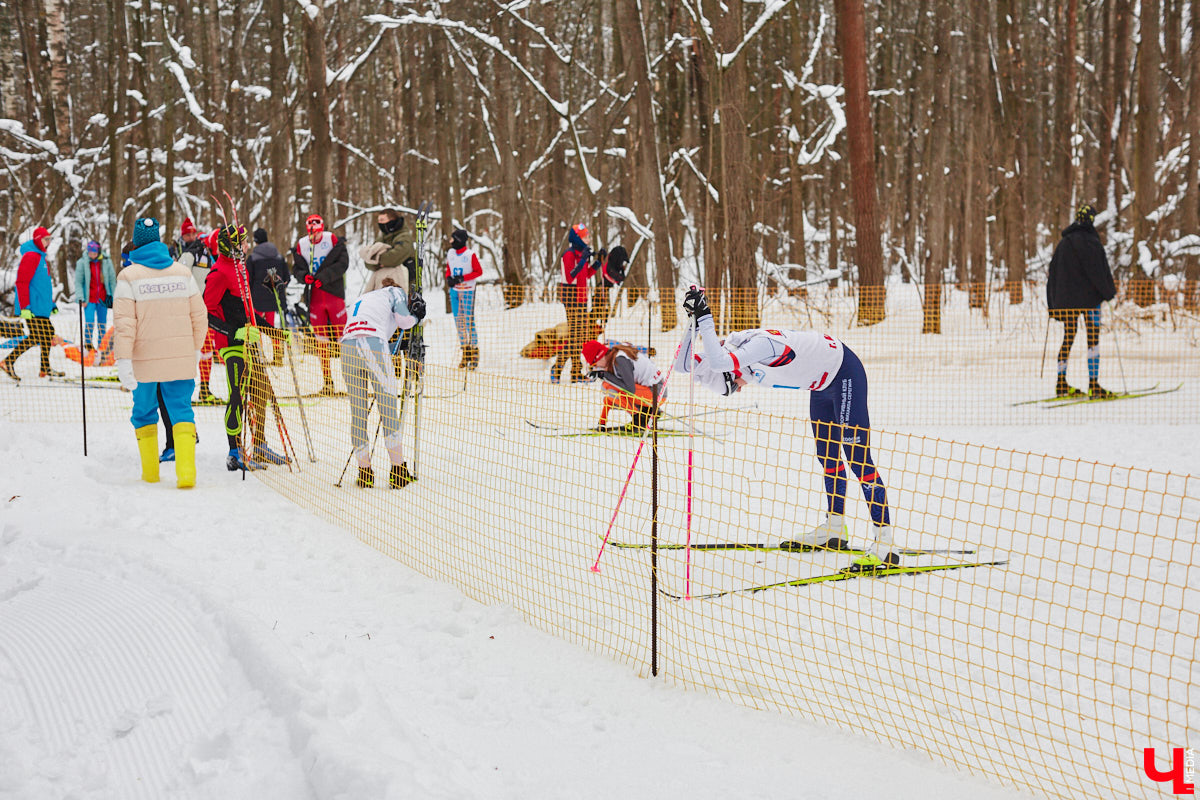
(185, 454)
(147, 439)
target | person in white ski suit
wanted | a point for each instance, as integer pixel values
(835, 377)
(367, 362)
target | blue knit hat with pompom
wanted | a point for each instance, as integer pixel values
(145, 231)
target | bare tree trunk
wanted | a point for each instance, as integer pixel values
(979, 150)
(1191, 197)
(1145, 150)
(853, 46)
(637, 64)
(279, 181)
(56, 44)
(1068, 96)
(321, 145)
(1012, 129)
(937, 245)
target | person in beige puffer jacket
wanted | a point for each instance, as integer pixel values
(161, 324)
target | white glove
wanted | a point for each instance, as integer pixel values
(125, 373)
(188, 260)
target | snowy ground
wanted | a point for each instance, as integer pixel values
(221, 643)
(1061, 666)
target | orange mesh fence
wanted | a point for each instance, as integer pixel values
(1045, 635)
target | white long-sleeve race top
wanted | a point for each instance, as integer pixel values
(790, 359)
(378, 314)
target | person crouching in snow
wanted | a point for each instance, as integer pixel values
(160, 324)
(837, 383)
(629, 380)
(367, 361)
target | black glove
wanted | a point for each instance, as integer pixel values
(454, 280)
(416, 306)
(696, 304)
(731, 384)
(108, 301)
(410, 264)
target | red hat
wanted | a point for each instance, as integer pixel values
(210, 241)
(314, 223)
(593, 351)
(39, 233)
(581, 231)
(187, 227)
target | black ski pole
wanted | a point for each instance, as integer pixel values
(350, 457)
(82, 381)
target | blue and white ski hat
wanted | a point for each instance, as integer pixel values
(93, 246)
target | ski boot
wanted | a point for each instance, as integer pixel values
(472, 357)
(1064, 389)
(235, 462)
(400, 476)
(831, 534)
(268, 456)
(879, 555)
(328, 389)
(168, 454)
(51, 373)
(207, 398)
(9, 371)
(366, 478)
(1098, 392)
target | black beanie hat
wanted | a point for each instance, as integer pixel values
(459, 238)
(260, 236)
(1086, 213)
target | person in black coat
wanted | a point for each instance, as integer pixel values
(268, 274)
(1078, 282)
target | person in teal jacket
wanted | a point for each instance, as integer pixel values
(95, 281)
(35, 304)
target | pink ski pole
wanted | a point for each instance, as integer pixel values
(641, 445)
(687, 557)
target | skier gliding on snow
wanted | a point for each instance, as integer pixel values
(837, 405)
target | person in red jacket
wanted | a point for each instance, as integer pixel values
(319, 261)
(232, 333)
(35, 304)
(577, 269)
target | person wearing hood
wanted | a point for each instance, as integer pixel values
(160, 327)
(268, 274)
(462, 270)
(1080, 280)
(95, 281)
(393, 255)
(35, 304)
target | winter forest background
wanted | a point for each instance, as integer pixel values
(743, 143)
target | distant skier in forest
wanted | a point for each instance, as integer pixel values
(1080, 280)
(462, 270)
(95, 282)
(837, 383)
(367, 369)
(320, 261)
(160, 327)
(629, 379)
(576, 270)
(35, 304)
